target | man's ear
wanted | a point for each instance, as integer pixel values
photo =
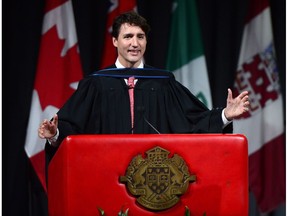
(115, 42)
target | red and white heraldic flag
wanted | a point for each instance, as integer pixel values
(263, 125)
(58, 72)
(116, 8)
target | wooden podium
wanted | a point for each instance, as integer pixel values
(83, 176)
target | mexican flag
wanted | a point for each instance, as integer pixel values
(185, 54)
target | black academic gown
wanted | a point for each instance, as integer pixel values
(101, 105)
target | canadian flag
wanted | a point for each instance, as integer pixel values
(263, 125)
(58, 72)
(116, 8)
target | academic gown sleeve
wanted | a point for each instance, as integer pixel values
(190, 115)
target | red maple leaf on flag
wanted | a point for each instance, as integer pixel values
(56, 73)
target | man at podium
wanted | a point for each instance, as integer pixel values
(132, 97)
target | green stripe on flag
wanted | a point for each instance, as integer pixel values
(185, 40)
(185, 54)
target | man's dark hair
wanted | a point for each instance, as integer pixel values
(131, 18)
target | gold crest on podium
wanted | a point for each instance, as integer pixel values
(158, 180)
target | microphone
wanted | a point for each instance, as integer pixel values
(141, 109)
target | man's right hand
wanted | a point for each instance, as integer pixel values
(48, 129)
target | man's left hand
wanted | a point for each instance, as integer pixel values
(235, 107)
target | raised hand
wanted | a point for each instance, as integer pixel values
(48, 129)
(235, 107)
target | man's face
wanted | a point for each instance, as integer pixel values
(131, 45)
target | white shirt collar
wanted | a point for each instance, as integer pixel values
(119, 65)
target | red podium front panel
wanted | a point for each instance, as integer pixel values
(84, 174)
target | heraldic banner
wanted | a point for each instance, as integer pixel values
(149, 175)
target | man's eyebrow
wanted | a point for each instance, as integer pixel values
(128, 34)
(131, 34)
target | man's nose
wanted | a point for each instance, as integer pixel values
(135, 41)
